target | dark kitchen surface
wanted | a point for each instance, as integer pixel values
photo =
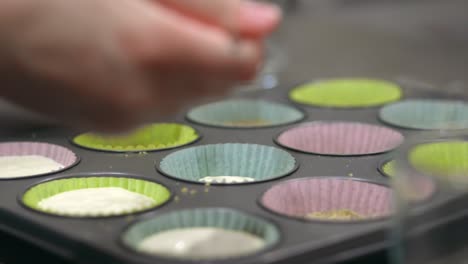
(421, 42)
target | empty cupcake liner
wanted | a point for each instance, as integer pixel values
(299, 198)
(245, 113)
(61, 155)
(426, 114)
(259, 162)
(346, 93)
(222, 218)
(340, 138)
(35, 194)
(418, 187)
(153, 137)
(447, 159)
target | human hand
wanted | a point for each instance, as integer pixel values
(109, 65)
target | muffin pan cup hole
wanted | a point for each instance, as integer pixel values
(426, 114)
(254, 163)
(109, 191)
(340, 138)
(346, 93)
(25, 159)
(154, 137)
(329, 199)
(245, 113)
(252, 230)
(446, 160)
(418, 187)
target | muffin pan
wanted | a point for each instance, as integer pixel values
(289, 185)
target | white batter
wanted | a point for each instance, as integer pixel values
(96, 202)
(201, 243)
(28, 165)
(226, 179)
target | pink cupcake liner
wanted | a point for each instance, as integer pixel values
(417, 187)
(61, 155)
(299, 197)
(340, 138)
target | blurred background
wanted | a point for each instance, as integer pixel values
(420, 42)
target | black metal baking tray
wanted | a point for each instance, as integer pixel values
(84, 240)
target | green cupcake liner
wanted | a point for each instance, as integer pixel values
(31, 198)
(149, 138)
(447, 159)
(346, 93)
(259, 162)
(203, 217)
(244, 113)
(388, 168)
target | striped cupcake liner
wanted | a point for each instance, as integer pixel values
(298, 198)
(258, 162)
(62, 155)
(340, 138)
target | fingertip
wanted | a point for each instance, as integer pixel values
(251, 58)
(247, 51)
(258, 19)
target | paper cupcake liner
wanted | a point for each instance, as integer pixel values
(445, 159)
(158, 192)
(202, 217)
(418, 187)
(149, 138)
(244, 113)
(340, 138)
(388, 168)
(346, 93)
(298, 198)
(59, 154)
(259, 162)
(426, 114)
